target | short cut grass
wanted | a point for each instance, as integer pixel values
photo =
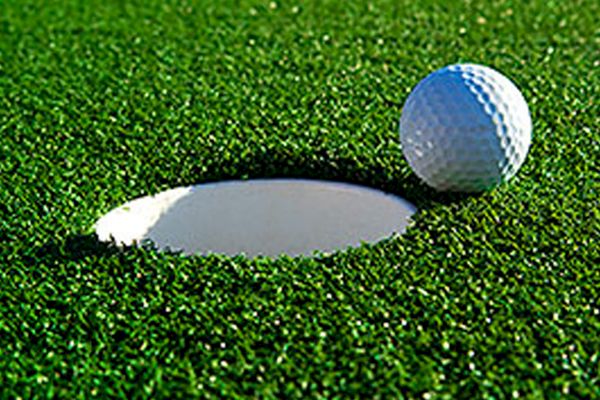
(492, 296)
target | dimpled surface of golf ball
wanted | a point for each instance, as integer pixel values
(465, 128)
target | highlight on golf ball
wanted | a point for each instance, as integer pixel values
(465, 128)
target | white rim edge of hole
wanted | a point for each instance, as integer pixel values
(262, 217)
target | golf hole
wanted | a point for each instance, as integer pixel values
(258, 217)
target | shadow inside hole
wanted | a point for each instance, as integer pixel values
(273, 217)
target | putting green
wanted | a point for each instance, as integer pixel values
(105, 101)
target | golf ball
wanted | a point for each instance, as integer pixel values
(465, 128)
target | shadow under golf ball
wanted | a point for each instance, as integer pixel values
(258, 217)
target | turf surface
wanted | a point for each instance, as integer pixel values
(492, 296)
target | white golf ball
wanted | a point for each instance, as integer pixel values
(465, 128)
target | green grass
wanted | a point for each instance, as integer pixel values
(493, 296)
